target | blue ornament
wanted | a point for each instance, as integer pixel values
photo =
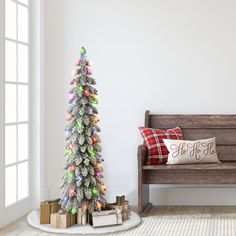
(78, 177)
(98, 198)
(65, 199)
(67, 133)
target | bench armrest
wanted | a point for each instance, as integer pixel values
(142, 154)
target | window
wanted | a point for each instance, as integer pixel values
(16, 101)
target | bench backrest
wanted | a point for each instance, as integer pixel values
(223, 127)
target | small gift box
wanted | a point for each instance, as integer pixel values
(105, 218)
(122, 205)
(64, 221)
(46, 208)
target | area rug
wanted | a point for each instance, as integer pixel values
(151, 226)
(133, 221)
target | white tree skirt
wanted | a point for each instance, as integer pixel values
(133, 221)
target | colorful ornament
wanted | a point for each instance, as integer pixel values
(71, 146)
(78, 177)
(80, 88)
(94, 191)
(89, 110)
(89, 71)
(71, 96)
(67, 133)
(72, 192)
(99, 165)
(71, 175)
(96, 119)
(98, 206)
(73, 210)
(94, 101)
(68, 152)
(98, 198)
(86, 92)
(74, 84)
(82, 51)
(69, 116)
(72, 168)
(93, 154)
(77, 63)
(103, 188)
(79, 125)
(98, 174)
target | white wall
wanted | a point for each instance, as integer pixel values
(164, 55)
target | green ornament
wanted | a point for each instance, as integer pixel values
(73, 210)
(68, 152)
(93, 154)
(94, 191)
(79, 125)
(80, 88)
(82, 51)
(95, 102)
(71, 175)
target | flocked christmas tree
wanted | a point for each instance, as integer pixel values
(83, 186)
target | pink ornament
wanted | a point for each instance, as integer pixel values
(69, 116)
(72, 168)
(77, 63)
(74, 84)
(72, 192)
(71, 96)
(71, 146)
(98, 174)
(88, 71)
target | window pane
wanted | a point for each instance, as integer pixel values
(23, 1)
(22, 142)
(22, 102)
(23, 180)
(22, 23)
(22, 63)
(10, 61)
(10, 103)
(10, 144)
(10, 19)
(10, 185)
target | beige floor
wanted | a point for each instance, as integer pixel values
(21, 227)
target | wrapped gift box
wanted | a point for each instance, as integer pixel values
(46, 208)
(122, 205)
(105, 218)
(64, 221)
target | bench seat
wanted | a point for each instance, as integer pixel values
(202, 167)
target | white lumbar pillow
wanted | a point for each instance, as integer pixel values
(191, 152)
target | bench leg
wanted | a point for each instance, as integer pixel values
(143, 199)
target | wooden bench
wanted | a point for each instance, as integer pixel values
(223, 127)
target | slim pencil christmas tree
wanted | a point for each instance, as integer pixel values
(83, 186)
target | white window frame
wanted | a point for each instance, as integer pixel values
(17, 83)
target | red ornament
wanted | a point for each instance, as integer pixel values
(71, 146)
(86, 92)
(95, 139)
(72, 192)
(77, 63)
(72, 168)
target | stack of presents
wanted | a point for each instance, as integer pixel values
(114, 214)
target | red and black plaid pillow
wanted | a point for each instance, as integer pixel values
(153, 140)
